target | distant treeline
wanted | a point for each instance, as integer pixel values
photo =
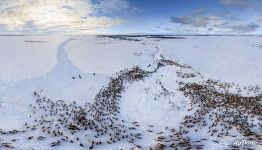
(31, 41)
(133, 37)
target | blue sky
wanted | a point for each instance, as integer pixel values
(131, 16)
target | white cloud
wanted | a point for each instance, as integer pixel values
(55, 15)
(258, 18)
(206, 23)
(239, 3)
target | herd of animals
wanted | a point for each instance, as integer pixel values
(217, 111)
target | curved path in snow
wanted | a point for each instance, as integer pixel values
(63, 65)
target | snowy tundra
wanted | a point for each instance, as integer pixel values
(116, 92)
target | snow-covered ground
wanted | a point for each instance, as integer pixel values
(137, 92)
(227, 58)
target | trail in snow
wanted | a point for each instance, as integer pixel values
(64, 66)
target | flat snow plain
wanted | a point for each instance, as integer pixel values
(152, 108)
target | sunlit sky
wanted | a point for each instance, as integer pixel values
(131, 16)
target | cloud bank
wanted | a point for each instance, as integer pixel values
(205, 22)
(58, 15)
(239, 3)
